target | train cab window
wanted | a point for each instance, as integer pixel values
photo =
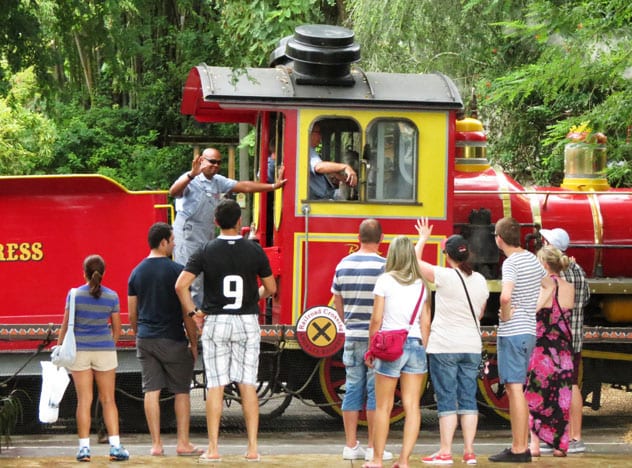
(391, 153)
(333, 140)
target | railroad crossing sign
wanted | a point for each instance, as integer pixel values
(320, 331)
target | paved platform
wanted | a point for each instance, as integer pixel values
(607, 447)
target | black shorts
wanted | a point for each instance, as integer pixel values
(165, 363)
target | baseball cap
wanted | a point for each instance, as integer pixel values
(557, 237)
(456, 247)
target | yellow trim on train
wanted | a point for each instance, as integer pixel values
(351, 239)
(609, 355)
(432, 167)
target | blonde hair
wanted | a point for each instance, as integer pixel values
(554, 258)
(401, 261)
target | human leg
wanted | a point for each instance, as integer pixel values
(518, 417)
(467, 375)
(250, 407)
(443, 369)
(182, 406)
(514, 353)
(170, 366)
(106, 381)
(152, 414)
(410, 385)
(350, 423)
(214, 402)
(83, 381)
(384, 392)
(105, 384)
(577, 402)
(534, 447)
(355, 395)
(469, 423)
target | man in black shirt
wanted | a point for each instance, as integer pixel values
(166, 355)
(230, 312)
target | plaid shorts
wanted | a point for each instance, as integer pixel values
(230, 345)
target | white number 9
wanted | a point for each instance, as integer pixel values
(234, 288)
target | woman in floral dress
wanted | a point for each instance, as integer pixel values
(549, 379)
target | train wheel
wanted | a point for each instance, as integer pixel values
(331, 373)
(272, 401)
(271, 404)
(493, 398)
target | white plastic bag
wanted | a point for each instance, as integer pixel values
(54, 382)
(65, 354)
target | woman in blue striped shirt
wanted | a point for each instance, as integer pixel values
(97, 329)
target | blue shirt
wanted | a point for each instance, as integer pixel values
(201, 190)
(354, 280)
(320, 188)
(92, 318)
(159, 310)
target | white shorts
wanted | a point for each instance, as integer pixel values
(230, 345)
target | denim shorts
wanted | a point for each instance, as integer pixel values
(454, 381)
(413, 361)
(514, 353)
(360, 382)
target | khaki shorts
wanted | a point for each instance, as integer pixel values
(95, 360)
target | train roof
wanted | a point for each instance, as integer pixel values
(223, 94)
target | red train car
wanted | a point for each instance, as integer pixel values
(49, 225)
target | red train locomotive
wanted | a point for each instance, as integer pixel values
(413, 157)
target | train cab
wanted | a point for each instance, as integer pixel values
(396, 131)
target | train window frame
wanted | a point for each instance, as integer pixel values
(394, 178)
(341, 139)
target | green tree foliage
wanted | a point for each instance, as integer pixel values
(250, 30)
(21, 41)
(538, 67)
(582, 72)
(26, 135)
(109, 73)
(112, 73)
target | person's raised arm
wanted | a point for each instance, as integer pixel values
(424, 230)
(177, 188)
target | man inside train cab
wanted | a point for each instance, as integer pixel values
(320, 186)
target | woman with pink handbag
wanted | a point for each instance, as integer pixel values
(454, 344)
(400, 299)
